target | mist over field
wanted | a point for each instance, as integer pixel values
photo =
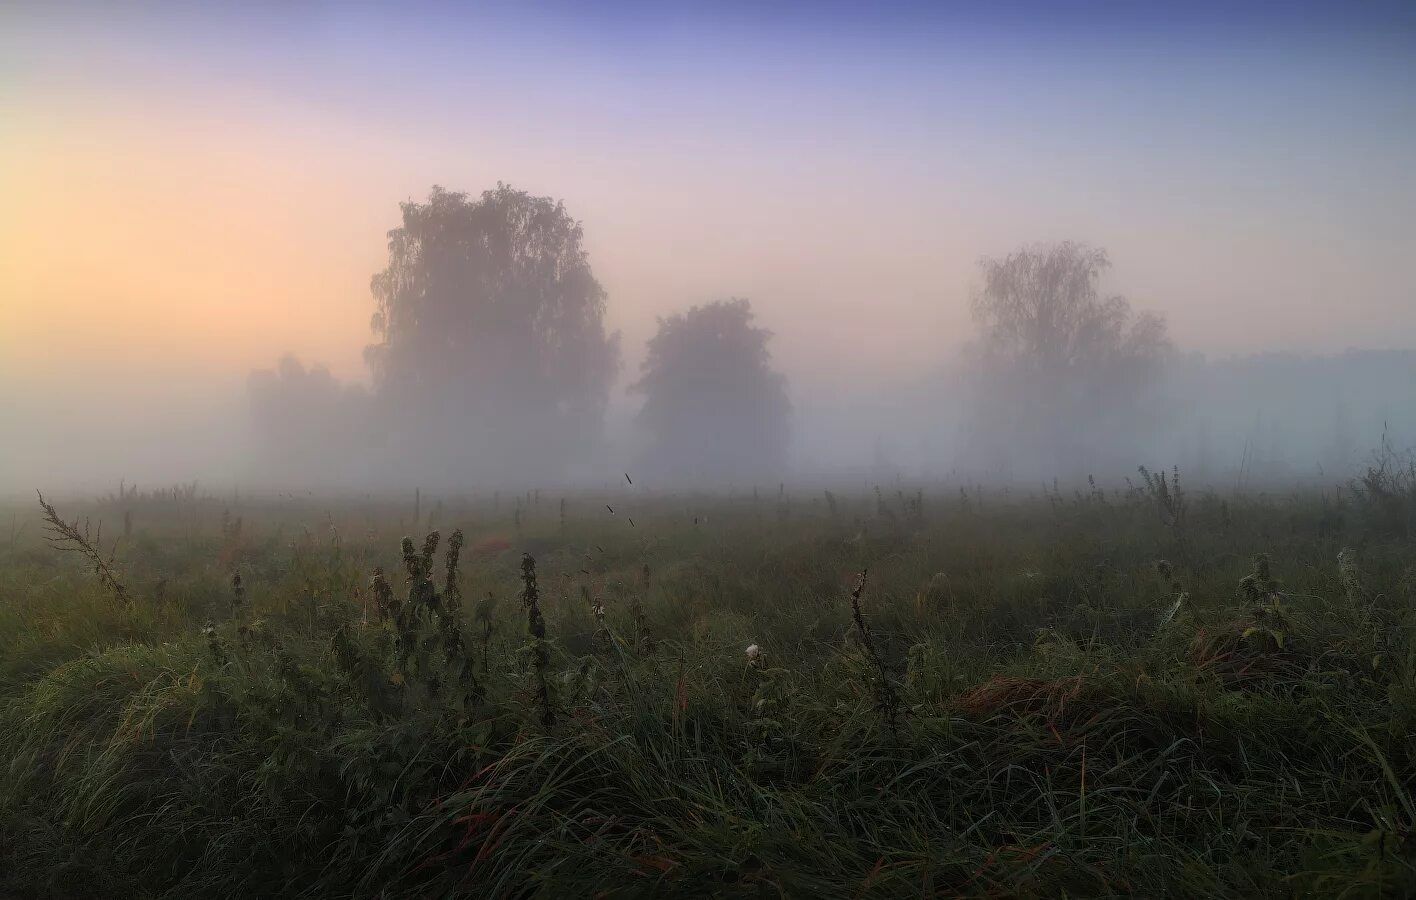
(740, 449)
(1284, 417)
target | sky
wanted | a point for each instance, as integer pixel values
(189, 191)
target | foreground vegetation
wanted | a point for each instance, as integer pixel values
(940, 692)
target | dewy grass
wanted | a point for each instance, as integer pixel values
(1084, 706)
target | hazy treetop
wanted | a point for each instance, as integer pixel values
(713, 405)
(1040, 308)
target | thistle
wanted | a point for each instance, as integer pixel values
(536, 628)
(887, 700)
(454, 649)
(411, 561)
(1260, 588)
(430, 546)
(484, 615)
(452, 593)
(1167, 494)
(421, 592)
(383, 595)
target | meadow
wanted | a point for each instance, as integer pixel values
(1141, 689)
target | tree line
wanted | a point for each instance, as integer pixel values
(490, 354)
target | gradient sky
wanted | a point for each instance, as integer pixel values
(188, 191)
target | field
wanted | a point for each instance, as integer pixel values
(1141, 690)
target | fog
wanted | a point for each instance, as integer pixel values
(1261, 421)
(735, 248)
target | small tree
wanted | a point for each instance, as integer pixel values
(713, 406)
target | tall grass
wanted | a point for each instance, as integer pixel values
(1036, 697)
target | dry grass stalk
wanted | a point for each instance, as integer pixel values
(67, 537)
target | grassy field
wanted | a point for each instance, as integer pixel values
(1139, 691)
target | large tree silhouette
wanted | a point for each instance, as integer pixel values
(714, 409)
(1064, 373)
(491, 353)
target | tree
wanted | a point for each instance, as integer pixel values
(1064, 373)
(305, 422)
(714, 408)
(490, 345)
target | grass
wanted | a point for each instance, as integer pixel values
(1117, 693)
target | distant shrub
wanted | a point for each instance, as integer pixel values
(1386, 492)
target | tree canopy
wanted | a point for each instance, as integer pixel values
(1064, 372)
(489, 328)
(1041, 317)
(714, 408)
